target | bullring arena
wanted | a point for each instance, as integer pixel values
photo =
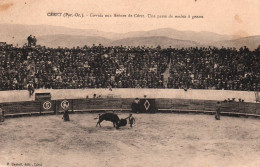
(51, 99)
(182, 132)
(114, 83)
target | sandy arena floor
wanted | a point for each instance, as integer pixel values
(156, 140)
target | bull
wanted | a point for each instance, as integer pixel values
(108, 117)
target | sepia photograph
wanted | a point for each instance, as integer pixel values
(128, 83)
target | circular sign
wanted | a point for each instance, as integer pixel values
(46, 105)
(65, 104)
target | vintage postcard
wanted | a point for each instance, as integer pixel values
(129, 83)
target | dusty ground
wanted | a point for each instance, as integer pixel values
(176, 140)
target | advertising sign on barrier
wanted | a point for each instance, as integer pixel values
(65, 104)
(47, 106)
(148, 105)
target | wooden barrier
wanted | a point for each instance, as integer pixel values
(88, 104)
(124, 104)
(164, 103)
(28, 108)
(258, 110)
(179, 104)
(21, 108)
(196, 105)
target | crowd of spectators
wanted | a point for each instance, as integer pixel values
(128, 67)
(87, 67)
(212, 68)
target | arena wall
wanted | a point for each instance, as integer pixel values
(56, 94)
(167, 100)
(124, 104)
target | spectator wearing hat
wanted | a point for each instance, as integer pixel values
(30, 88)
(30, 40)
